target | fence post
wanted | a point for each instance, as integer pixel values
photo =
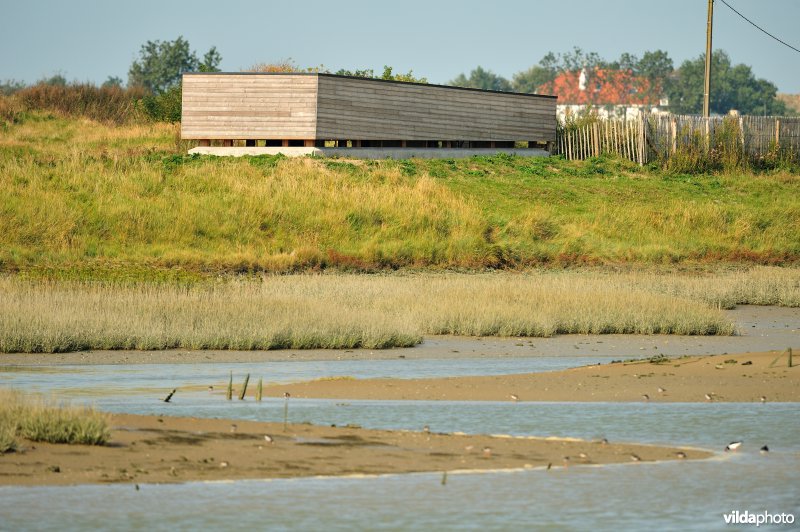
(741, 133)
(569, 145)
(674, 127)
(642, 135)
(586, 142)
(596, 142)
(777, 132)
(629, 139)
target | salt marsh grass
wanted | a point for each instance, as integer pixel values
(39, 419)
(374, 311)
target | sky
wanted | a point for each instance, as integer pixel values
(87, 40)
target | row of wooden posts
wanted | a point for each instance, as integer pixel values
(657, 136)
(259, 390)
(622, 137)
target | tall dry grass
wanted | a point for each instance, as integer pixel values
(39, 419)
(104, 104)
(379, 311)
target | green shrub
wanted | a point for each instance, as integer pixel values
(163, 107)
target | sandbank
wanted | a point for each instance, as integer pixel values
(161, 449)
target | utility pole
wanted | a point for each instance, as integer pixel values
(707, 85)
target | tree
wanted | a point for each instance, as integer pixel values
(161, 64)
(655, 66)
(358, 73)
(578, 59)
(482, 79)
(112, 81)
(408, 77)
(56, 80)
(732, 87)
(211, 61)
(529, 81)
(10, 86)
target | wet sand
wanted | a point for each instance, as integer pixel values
(730, 378)
(146, 449)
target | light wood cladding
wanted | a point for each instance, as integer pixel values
(236, 106)
(321, 106)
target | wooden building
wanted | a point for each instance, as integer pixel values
(317, 110)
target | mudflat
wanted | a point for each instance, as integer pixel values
(744, 377)
(146, 449)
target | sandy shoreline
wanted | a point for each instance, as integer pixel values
(729, 378)
(163, 449)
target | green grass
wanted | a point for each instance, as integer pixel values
(82, 200)
(38, 419)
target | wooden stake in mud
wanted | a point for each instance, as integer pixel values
(259, 389)
(229, 393)
(244, 387)
(787, 351)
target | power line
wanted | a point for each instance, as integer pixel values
(759, 27)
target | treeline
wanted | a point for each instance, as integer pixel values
(733, 86)
(153, 90)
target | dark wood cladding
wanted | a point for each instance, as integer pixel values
(320, 106)
(371, 109)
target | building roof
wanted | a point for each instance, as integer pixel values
(325, 74)
(602, 87)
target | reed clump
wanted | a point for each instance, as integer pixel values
(113, 104)
(37, 418)
(378, 311)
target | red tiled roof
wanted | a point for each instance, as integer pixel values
(603, 87)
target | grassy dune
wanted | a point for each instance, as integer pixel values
(79, 198)
(39, 419)
(373, 311)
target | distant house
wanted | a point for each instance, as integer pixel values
(610, 92)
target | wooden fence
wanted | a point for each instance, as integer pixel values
(657, 136)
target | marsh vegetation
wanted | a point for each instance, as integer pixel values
(37, 418)
(374, 311)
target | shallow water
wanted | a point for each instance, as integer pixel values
(667, 496)
(102, 380)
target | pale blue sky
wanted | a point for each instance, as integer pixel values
(89, 40)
